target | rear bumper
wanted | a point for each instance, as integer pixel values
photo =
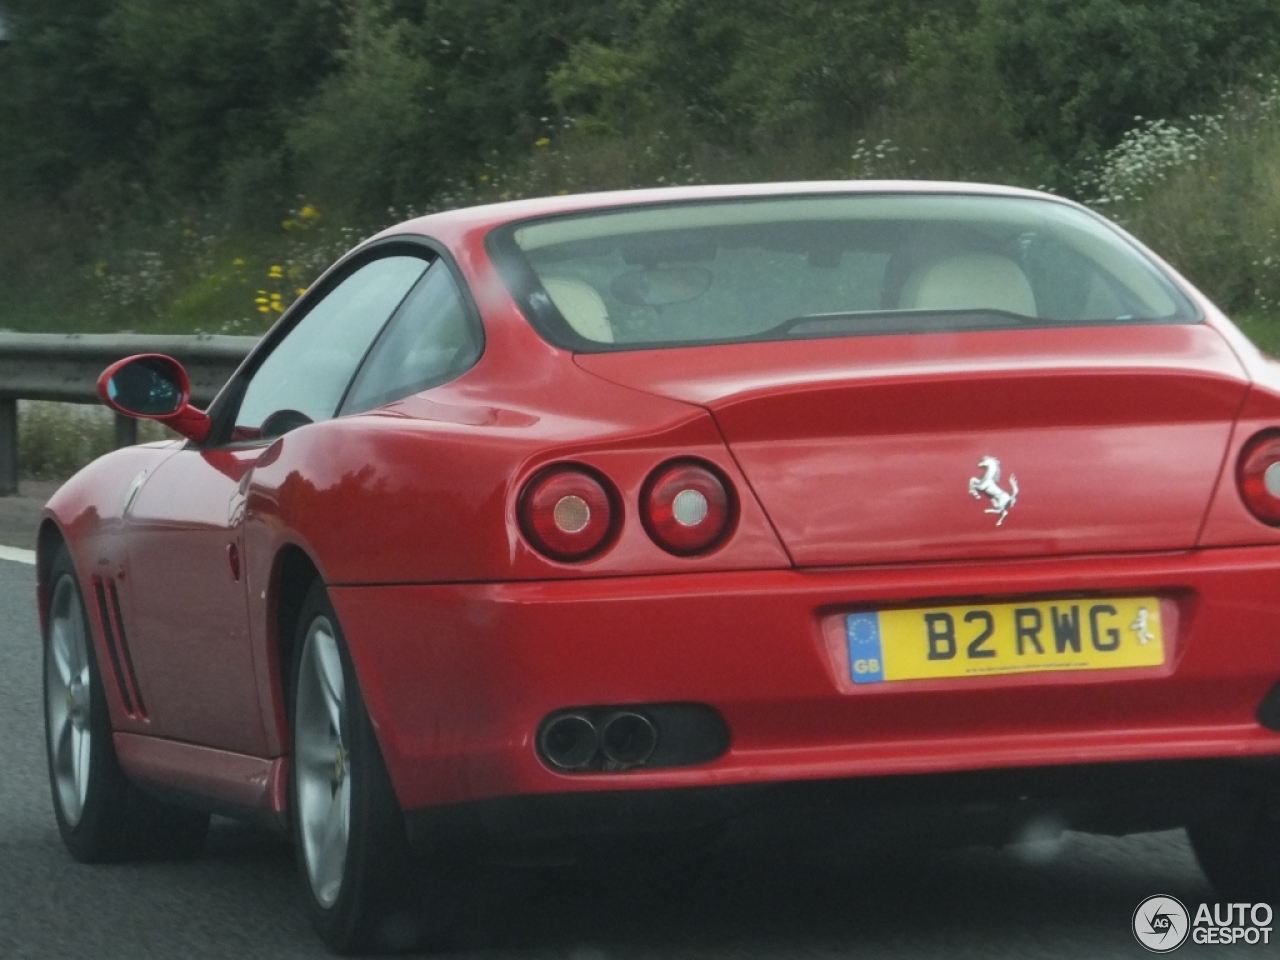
(458, 677)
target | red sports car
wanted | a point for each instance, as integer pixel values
(637, 512)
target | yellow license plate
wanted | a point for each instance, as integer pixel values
(1004, 638)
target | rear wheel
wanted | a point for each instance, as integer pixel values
(363, 889)
(1240, 854)
(101, 815)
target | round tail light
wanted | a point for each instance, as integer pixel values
(567, 513)
(686, 508)
(1259, 477)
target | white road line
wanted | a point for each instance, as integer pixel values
(17, 555)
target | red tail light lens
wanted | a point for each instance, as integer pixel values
(567, 513)
(1259, 477)
(686, 508)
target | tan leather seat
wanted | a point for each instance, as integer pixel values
(975, 281)
(581, 306)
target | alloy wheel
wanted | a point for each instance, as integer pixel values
(67, 700)
(323, 762)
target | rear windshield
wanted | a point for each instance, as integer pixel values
(826, 266)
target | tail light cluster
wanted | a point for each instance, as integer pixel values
(685, 508)
(1259, 477)
(571, 513)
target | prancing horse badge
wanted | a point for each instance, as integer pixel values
(988, 485)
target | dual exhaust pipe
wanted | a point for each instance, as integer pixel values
(573, 741)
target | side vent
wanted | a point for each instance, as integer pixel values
(118, 646)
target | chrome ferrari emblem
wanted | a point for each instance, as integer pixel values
(1139, 626)
(988, 485)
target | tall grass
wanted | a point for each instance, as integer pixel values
(57, 439)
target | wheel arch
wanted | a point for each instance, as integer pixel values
(48, 539)
(293, 574)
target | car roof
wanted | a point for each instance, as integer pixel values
(452, 223)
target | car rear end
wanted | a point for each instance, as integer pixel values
(1021, 513)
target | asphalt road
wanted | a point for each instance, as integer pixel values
(239, 900)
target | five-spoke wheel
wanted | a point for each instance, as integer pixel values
(320, 738)
(364, 891)
(100, 814)
(66, 697)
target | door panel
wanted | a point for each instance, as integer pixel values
(188, 629)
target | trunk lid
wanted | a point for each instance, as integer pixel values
(880, 449)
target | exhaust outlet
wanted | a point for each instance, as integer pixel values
(569, 741)
(627, 739)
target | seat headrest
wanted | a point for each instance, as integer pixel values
(974, 281)
(581, 306)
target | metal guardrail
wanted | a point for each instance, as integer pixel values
(65, 368)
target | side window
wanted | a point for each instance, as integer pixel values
(430, 340)
(310, 368)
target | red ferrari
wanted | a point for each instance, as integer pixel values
(632, 513)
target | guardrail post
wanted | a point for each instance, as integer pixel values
(126, 431)
(8, 447)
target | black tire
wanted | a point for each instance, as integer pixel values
(116, 820)
(1240, 854)
(381, 902)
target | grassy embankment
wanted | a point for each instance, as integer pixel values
(1204, 193)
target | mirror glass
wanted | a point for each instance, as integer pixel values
(148, 387)
(661, 286)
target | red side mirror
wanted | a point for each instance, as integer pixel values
(154, 387)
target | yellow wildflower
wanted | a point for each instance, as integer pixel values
(484, 178)
(289, 224)
(300, 291)
(277, 306)
(542, 142)
(100, 269)
(264, 309)
(276, 272)
(238, 262)
(309, 212)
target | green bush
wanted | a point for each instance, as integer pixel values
(1206, 195)
(363, 141)
(157, 158)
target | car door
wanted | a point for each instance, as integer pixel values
(187, 629)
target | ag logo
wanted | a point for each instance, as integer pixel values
(1161, 924)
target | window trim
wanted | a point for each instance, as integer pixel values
(226, 405)
(526, 289)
